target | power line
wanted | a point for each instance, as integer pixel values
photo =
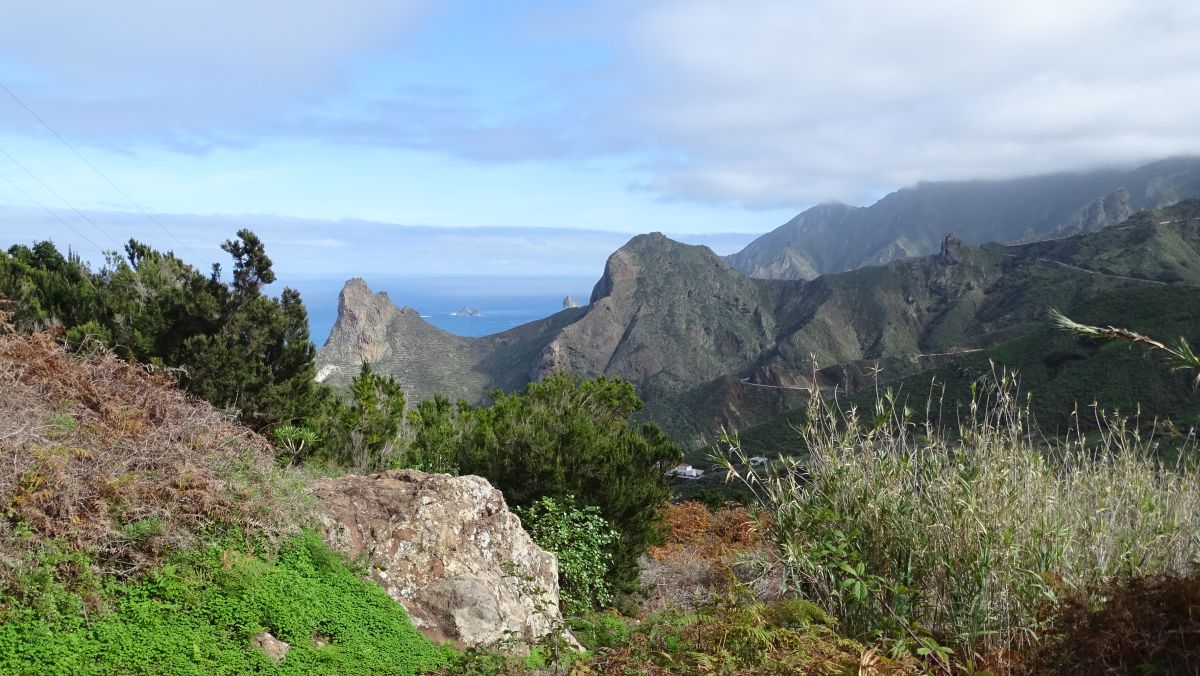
(56, 217)
(98, 172)
(60, 197)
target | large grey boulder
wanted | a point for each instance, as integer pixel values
(448, 549)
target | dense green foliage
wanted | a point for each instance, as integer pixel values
(437, 436)
(232, 345)
(362, 430)
(199, 614)
(580, 538)
(563, 437)
(566, 438)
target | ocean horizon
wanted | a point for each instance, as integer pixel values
(503, 302)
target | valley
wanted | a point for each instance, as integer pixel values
(694, 334)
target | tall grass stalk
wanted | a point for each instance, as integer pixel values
(901, 526)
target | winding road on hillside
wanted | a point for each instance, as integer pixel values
(1097, 272)
(746, 381)
(1092, 272)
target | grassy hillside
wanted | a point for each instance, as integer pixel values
(145, 532)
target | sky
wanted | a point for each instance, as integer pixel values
(531, 137)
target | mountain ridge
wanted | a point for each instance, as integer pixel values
(678, 320)
(911, 221)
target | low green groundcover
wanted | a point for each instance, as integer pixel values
(200, 613)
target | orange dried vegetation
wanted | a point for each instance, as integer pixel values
(694, 530)
(1146, 625)
(107, 456)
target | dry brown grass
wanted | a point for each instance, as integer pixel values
(1146, 625)
(109, 457)
(705, 553)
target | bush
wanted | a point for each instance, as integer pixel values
(581, 539)
(599, 630)
(569, 436)
(563, 438)
(731, 635)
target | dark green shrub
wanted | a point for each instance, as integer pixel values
(573, 436)
(581, 539)
(599, 630)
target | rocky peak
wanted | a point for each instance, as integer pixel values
(658, 255)
(362, 322)
(370, 329)
(359, 307)
(953, 250)
(569, 302)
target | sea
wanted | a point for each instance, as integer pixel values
(503, 302)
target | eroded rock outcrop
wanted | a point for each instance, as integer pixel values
(396, 341)
(365, 316)
(953, 250)
(448, 549)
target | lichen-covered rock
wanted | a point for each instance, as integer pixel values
(448, 549)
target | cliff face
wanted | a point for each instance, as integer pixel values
(912, 221)
(663, 315)
(425, 359)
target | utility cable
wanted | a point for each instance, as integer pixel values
(56, 217)
(98, 172)
(60, 197)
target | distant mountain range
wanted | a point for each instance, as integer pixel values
(911, 222)
(708, 346)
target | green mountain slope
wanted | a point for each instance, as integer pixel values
(709, 347)
(912, 221)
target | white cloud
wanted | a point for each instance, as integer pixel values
(186, 72)
(758, 102)
(769, 102)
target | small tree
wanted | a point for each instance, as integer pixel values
(365, 434)
(436, 426)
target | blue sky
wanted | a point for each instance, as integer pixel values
(525, 137)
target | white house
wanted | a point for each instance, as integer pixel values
(685, 472)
